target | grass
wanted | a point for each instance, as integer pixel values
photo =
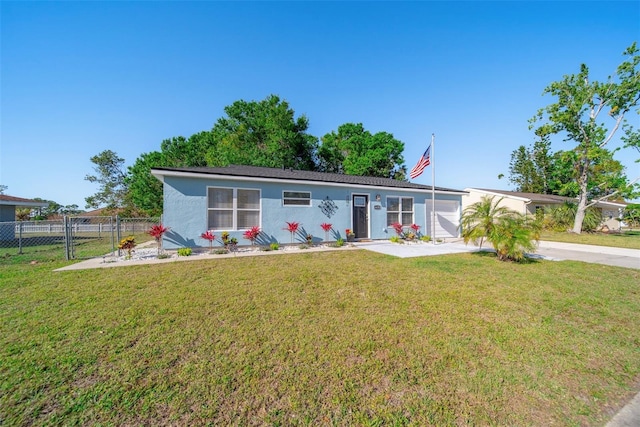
(327, 338)
(627, 239)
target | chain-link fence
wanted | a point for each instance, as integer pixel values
(71, 237)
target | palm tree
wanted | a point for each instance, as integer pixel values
(514, 235)
(479, 219)
(510, 233)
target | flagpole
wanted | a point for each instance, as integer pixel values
(433, 190)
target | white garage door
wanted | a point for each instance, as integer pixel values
(447, 219)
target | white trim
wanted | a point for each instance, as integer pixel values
(368, 210)
(400, 212)
(507, 196)
(234, 208)
(164, 173)
(297, 198)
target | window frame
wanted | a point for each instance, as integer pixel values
(401, 211)
(293, 205)
(234, 208)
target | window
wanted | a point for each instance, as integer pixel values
(296, 198)
(233, 208)
(400, 209)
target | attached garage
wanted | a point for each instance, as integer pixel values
(447, 219)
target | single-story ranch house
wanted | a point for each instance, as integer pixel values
(236, 198)
(530, 203)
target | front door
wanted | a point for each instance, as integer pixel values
(360, 216)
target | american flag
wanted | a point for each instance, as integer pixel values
(422, 163)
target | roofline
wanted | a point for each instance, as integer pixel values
(159, 173)
(529, 200)
(511, 196)
(33, 204)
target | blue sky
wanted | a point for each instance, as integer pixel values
(78, 78)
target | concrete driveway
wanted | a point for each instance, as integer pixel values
(554, 251)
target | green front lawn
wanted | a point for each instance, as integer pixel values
(626, 239)
(327, 338)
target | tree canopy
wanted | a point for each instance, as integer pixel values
(110, 174)
(263, 133)
(352, 150)
(577, 115)
(266, 133)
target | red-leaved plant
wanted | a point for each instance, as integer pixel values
(156, 231)
(292, 227)
(398, 228)
(326, 227)
(208, 235)
(415, 228)
(252, 234)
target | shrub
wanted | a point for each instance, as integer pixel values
(292, 227)
(425, 238)
(128, 243)
(156, 231)
(252, 234)
(326, 227)
(230, 243)
(339, 242)
(398, 228)
(184, 252)
(208, 235)
(274, 246)
(396, 239)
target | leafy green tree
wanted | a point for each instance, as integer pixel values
(631, 215)
(145, 191)
(561, 218)
(352, 150)
(3, 188)
(111, 175)
(577, 114)
(530, 168)
(264, 133)
(49, 211)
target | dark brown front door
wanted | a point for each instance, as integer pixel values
(360, 205)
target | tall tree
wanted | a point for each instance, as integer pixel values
(531, 168)
(576, 112)
(145, 191)
(262, 133)
(352, 150)
(110, 174)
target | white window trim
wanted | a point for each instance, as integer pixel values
(234, 207)
(400, 212)
(297, 198)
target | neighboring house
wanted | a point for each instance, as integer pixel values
(235, 198)
(530, 203)
(8, 205)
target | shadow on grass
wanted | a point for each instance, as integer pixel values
(530, 258)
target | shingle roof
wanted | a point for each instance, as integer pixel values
(5, 199)
(545, 198)
(300, 175)
(535, 197)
